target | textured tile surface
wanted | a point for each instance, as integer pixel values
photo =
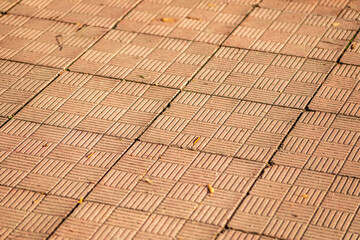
(19, 83)
(199, 20)
(176, 119)
(145, 58)
(93, 13)
(44, 42)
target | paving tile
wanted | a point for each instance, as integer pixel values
(176, 208)
(262, 77)
(93, 13)
(336, 37)
(162, 225)
(6, 5)
(90, 104)
(321, 142)
(339, 93)
(44, 42)
(203, 21)
(238, 125)
(351, 56)
(108, 232)
(335, 215)
(319, 30)
(193, 230)
(19, 83)
(309, 190)
(120, 222)
(31, 214)
(144, 58)
(57, 160)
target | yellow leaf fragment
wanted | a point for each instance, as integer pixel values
(81, 200)
(196, 140)
(148, 181)
(335, 24)
(211, 5)
(193, 18)
(168, 20)
(144, 77)
(305, 196)
(210, 188)
(353, 46)
(89, 156)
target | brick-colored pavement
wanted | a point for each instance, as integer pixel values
(180, 119)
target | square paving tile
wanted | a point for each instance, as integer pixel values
(145, 58)
(308, 29)
(93, 13)
(19, 83)
(30, 214)
(340, 92)
(222, 125)
(321, 142)
(6, 5)
(261, 77)
(44, 42)
(99, 105)
(201, 20)
(56, 160)
(352, 54)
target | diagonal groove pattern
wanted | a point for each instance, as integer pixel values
(136, 140)
(280, 147)
(212, 135)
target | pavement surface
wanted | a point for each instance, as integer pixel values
(180, 119)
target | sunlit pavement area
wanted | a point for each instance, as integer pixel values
(180, 119)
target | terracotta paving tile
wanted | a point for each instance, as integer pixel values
(332, 144)
(144, 58)
(193, 230)
(31, 214)
(44, 42)
(314, 29)
(203, 21)
(119, 222)
(340, 92)
(262, 77)
(93, 13)
(79, 101)
(210, 127)
(6, 5)
(20, 82)
(351, 56)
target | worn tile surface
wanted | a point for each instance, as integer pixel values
(44, 42)
(93, 13)
(175, 119)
